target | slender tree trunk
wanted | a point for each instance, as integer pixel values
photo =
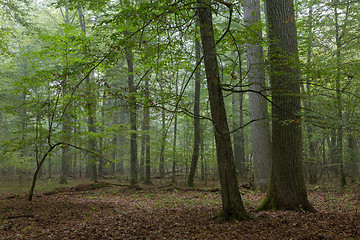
(65, 150)
(92, 130)
(91, 111)
(121, 151)
(66, 128)
(238, 121)
(260, 130)
(49, 167)
(115, 141)
(37, 138)
(147, 135)
(163, 142)
(332, 153)
(49, 156)
(196, 147)
(75, 154)
(173, 175)
(353, 156)
(339, 136)
(133, 125)
(308, 104)
(287, 186)
(202, 157)
(143, 148)
(101, 139)
(324, 168)
(312, 170)
(232, 206)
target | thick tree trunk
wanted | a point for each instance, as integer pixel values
(133, 125)
(260, 130)
(232, 206)
(287, 186)
(196, 147)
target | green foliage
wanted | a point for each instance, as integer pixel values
(44, 65)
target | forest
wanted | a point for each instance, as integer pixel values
(178, 119)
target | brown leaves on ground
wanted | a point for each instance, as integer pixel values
(118, 212)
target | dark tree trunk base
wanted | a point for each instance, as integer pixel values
(230, 216)
(276, 204)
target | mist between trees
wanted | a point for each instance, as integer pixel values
(182, 91)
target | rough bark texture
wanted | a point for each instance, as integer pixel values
(260, 130)
(231, 201)
(132, 109)
(196, 147)
(287, 186)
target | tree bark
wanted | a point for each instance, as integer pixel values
(173, 175)
(66, 125)
(65, 150)
(232, 206)
(311, 165)
(238, 121)
(287, 186)
(339, 136)
(142, 150)
(92, 130)
(91, 112)
(332, 153)
(147, 135)
(353, 156)
(133, 125)
(196, 147)
(162, 148)
(260, 130)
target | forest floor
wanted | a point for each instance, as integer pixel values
(108, 211)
